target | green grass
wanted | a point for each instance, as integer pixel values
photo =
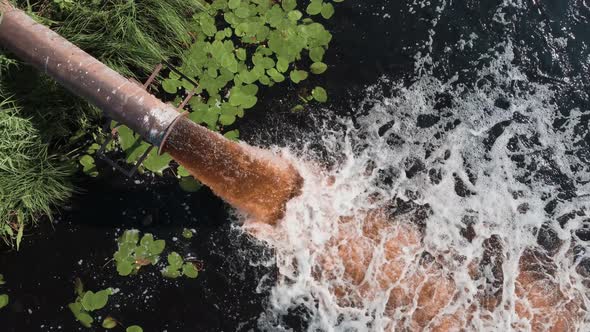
(130, 36)
(43, 122)
(32, 181)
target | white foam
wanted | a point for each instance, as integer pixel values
(506, 200)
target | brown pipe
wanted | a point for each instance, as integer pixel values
(120, 98)
(251, 179)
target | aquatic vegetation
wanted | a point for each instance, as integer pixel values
(3, 300)
(238, 47)
(88, 301)
(187, 233)
(109, 323)
(3, 297)
(134, 328)
(241, 44)
(177, 267)
(131, 256)
(32, 181)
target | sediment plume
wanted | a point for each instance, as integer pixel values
(254, 181)
(251, 179)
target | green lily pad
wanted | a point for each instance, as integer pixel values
(170, 272)
(187, 233)
(189, 184)
(232, 135)
(275, 75)
(93, 301)
(189, 270)
(314, 7)
(134, 328)
(327, 10)
(319, 94)
(174, 259)
(297, 108)
(316, 54)
(298, 75)
(109, 323)
(171, 85)
(318, 68)
(3, 300)
(80, 314)
(88, 166)
(294, 15)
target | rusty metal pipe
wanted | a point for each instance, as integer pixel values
(251, 179)
(120, 99)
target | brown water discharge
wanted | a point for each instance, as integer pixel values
(251, 179)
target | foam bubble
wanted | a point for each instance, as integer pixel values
(479, 169)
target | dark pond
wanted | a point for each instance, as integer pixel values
(372, 39)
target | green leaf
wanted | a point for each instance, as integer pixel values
(233, 4)
(157, 163)
(190, 270)
(314, 7)
(85, 319)
(297, 108)
(134, 328)
(147, 240)
(275, 75)
(2, 282)
(327, 10)
(181, 171)
(170, 272)
(174, 259)
(316, 54)
(109, 323)
(171, 85)
(294, 15)
(187, 233)
(88, 166)
(282, 64)
(189, 184)
(289, 4)
(3, 300)
(93, 301)
(124, 268)
(157, 247)
(319, 94)
(82, 316)
(242, 11)
(232, 135)
(130, 236)
(318, 67)
(241, 54)
(19, 234)
(298, 75)
(78, 287)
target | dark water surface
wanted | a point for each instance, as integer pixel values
(372, 38)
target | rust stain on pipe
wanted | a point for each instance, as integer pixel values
(251, 179)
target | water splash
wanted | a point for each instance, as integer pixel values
(489, 191)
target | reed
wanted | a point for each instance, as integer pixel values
(32, 181)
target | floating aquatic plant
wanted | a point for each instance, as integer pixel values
(109, 323)
(187, 233)
(238, 47)
(177, 267)
(86, 302)
(134, 328)
(131, 255)
(3, 297)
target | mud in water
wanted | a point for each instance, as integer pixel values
(483, 150)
